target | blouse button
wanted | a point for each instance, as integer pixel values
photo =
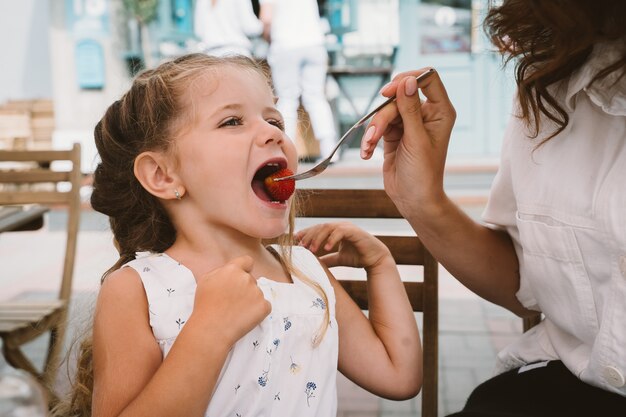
(614, 376)
(622, 265)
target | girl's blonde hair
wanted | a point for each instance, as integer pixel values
(147, 118)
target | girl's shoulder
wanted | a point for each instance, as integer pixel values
(121, 292)
(124, 281)
(162, 276)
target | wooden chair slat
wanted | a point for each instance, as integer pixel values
(30, 305)
(21, 322)
(37, 155)
(34, 175)
(406, 250)
(24, 316)
(34, 197)
(346, 204)
(358, 292)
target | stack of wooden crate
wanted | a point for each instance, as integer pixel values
(26, 124)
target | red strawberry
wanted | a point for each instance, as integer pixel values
(280, 190)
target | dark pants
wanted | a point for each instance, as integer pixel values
(550, 391)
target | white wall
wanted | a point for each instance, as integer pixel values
(77, 111)
(37, 47)
(24, 50)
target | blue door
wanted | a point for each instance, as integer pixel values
(447, 35)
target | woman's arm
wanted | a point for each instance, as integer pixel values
(416, 136)
(130, 378)
(383, 353)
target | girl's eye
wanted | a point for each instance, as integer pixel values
(278, 123)
(232, 121)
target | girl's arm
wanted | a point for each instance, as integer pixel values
(382, 354)
(130, 377)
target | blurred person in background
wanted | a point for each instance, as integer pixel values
(299, 61)
(224, 27)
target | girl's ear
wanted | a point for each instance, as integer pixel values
(154, 172)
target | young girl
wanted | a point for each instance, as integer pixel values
(198, 317)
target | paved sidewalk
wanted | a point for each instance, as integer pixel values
(471, 330)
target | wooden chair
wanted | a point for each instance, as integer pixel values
(23, 321)
(530, 322)
(406, 250)
(15, 129)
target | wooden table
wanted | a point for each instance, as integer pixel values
(21, 218)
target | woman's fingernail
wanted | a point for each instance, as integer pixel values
(410, 87)
(369, 134)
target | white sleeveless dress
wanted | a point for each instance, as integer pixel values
(274, 370)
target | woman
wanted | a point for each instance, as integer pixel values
(555, 234)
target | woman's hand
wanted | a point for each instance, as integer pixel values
(352, 245)
(229, 301)
(416, 136)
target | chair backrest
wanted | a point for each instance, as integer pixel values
(38, 183)
(15, 129)
(41, 120)
(530, 322)
(406, 250)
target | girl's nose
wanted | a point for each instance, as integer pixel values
(271, 134)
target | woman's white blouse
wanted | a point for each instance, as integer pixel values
(274, 370)
(564, 205)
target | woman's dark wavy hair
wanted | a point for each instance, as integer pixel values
(549, 40)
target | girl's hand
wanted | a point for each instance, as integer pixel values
(229, 301)
(416, 136)
(355, 247)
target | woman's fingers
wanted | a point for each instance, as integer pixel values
(406, 86)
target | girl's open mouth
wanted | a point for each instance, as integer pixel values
(258, 181)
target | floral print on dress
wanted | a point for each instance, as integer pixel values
(319, 303)
(274, 362)
(294, 368)
(263, 378)
(310, 388)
